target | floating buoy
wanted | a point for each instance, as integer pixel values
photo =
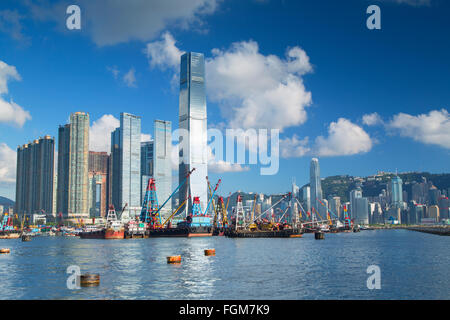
(89, 280)
(174, 259)
(210, 252)
(319, 235)
(5, 250)
(26, 238)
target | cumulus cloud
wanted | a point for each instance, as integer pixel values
(372, 119)
(100, 133)
(8, 159)
(254, 90)
(112, 22)
(294, 147)
(164, 53)
(221, 166)
(129, 78)
(432, 128)
(10, 112)
(344, 138)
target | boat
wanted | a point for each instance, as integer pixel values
(113, 229)
(9, 234)
(135, 229)
(192, 226)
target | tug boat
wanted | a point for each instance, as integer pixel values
(113, 229)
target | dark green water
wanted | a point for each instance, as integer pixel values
(413, 266)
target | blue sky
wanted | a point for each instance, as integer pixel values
(338, 73)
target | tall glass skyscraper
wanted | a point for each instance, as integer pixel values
(396, 192)
(192, 119)
(156, 163)
(73, 158)
(316, 188)
(126, 165)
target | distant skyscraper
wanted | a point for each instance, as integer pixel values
(163, 163)
(354, 194)
(433, 196)
(307, 198)
(73, 158)
(98, 183)
(396, 192)
(192, 120)
(316, 188)
(360, 211)
(335, 205)
(126, 165)
(156, 163)
(35, 173)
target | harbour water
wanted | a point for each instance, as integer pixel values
(413, 265)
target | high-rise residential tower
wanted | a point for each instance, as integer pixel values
(126, 165)
(316, 188)
(73, 158)
(34, 180)
(193, 129)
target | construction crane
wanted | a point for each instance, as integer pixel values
(149, 212)
(263, 213)
(212, 196)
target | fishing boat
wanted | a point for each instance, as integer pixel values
(113, 229)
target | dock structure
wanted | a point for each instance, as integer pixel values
(439, 230)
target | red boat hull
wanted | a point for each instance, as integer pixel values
(111, 234)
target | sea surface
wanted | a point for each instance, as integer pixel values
(413, 265)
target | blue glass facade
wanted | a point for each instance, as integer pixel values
(126, 165)
(192, 119)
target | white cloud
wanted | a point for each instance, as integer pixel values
(254, 90)
(372, 119)
(100, 133)
(294, 147)
(10, 112)
(431, 128)
(8, 160)
(111, 22)
(129, 78)
(7, 72)
(221, 166)
(114, 70)
(258, 91)
(163, 53)
(344, 138)
(146, 137)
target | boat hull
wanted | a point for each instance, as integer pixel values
(108, 234)
(9, 235)
(286, 233)
(188, 232)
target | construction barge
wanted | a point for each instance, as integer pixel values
(286, 233)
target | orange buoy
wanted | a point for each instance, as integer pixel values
(210, 252)
(5, 250)
(89, 280)
(174, 259)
